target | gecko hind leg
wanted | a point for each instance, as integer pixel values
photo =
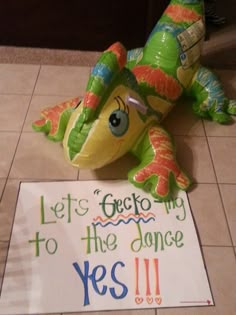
(231, 109)
(210, 101)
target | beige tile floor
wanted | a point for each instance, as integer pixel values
(205, 149)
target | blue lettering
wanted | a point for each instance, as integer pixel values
(84, 277)
(113, 277)
(94, 281)
(97, 275)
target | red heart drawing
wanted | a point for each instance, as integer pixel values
(138, 300)
(158, 300)
(149, 300)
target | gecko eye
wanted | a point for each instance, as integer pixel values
(118, 122)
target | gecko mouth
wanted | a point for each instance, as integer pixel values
(95, 159)
(116, 154)
(77, 138)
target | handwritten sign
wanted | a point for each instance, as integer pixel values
(101, 245)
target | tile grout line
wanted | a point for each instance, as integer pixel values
(221, 246)
(3, 242)
(15, 94)
(38, 94)
(71, 179)
(226, 218)
(219, 191)
(20, 133)
(30, 179)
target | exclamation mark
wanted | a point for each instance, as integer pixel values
(138, 299)
(148, 291)
(158, 299)
(146, 272)
(156, 268)
(136, 276)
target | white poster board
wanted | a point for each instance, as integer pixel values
(101, 245)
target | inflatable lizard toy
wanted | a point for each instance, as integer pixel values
(128, 95)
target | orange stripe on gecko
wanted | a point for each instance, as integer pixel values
(164, 84)
(53, 114)
(119, 50)
(91, 100)
(40, 122)
(178, 13)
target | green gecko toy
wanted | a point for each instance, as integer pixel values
(129, 94)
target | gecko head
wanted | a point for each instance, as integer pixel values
(111, 116)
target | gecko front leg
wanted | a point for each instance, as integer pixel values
(54, 119)
(158, 169)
